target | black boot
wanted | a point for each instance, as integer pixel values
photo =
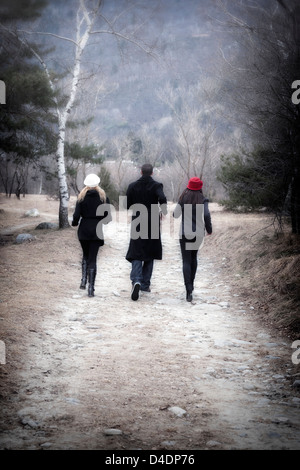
(84, 273)
(92, 277)
(189, 290)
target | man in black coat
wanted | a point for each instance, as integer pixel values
(144, 197)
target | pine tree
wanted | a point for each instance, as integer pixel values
(25, 121)
(258, 93)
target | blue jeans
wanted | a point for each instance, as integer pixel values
(141, 271)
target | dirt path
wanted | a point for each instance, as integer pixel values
(160, 373)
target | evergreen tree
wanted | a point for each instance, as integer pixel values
(108, 186)
(254, 180)
(77, 155)
(258, 93)
(25, 121)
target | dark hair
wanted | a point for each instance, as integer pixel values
(191, 197)
(147, 169)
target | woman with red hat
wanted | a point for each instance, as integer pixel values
(193, 208)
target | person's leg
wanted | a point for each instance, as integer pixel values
(136, 274)
(194, 265)
(186, 268)
(147, 274)
(84, 262)
(93, 253)
(136, 277)
(94, 246)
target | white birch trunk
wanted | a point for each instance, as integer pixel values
(81, 42)
(62, 179)
(86, 19)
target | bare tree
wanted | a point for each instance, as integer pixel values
(121, 167)
(194, 127)
(88, 16)
(152, 146)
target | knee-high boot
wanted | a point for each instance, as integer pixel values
(92, 276)
(84, 273)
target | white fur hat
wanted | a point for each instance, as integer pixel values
(91, 180)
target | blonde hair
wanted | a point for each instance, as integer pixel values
(83, 192)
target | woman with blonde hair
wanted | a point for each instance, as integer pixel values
(90, 233)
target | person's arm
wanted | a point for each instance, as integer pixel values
(128, 202)
(162, 199)
(207, 218)
(76, 215)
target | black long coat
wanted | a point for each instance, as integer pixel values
(86, 212)
(144, 197)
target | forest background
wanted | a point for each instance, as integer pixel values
(207, 88)
(196, 87)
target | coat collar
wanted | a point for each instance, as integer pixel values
(146, 178)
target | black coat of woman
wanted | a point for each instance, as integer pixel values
(192, 230)
(86, 210)
(91, 212)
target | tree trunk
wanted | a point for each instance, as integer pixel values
(63, 117)
(62, 180)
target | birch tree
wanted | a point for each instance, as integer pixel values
(88, 16)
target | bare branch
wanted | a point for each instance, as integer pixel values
(128, 39)
(85, 12)
(48, 34)
(227, 61)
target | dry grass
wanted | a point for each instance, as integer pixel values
(264, 265)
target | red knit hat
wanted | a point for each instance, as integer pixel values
(195, 184)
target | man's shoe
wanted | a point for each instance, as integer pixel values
(135, 291)
(189, 297)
